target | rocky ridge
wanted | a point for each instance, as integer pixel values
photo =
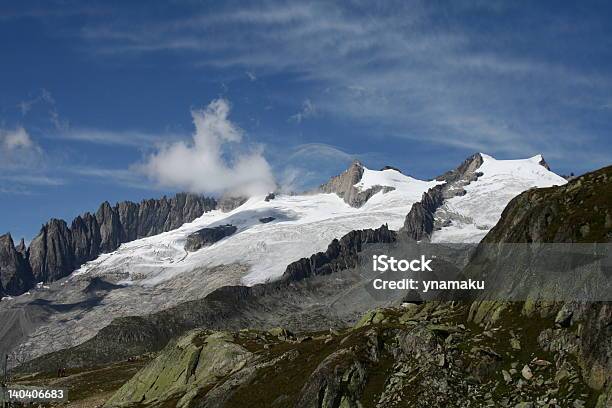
(59, 249)
(229, 307)
(455, 354)
(414, 355)
(344, 186)
(420, 221)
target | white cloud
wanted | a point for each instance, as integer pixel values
(131, 138)
(18, 150)
(213, 162)
(16, 139)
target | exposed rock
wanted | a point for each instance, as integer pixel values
(15, 274)
(208, 236)
(555, 215)
(58, 249)
(558, 214)
(270, 197)
(228, 203)
(86, 238)
(51, 254)
(526, 373)
(419, 223)
(391, 168)
(344, 186)
(385, 364)
(340, 254)
(110, 227)
(266, 220)
(194, 362)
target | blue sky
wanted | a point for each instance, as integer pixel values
(98, 99)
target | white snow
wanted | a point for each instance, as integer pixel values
(475, 213)
(303, 225)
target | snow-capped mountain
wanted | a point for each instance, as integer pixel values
(469, 216)
(298, 226)
(301, 225)
(154, 273)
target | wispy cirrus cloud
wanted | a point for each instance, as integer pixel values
(129, 138)
(408, 69)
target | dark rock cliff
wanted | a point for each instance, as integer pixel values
(340, 254)
(15, 277)
(419, 222)
(577, 212)
(58, 249)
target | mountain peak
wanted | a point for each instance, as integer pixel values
(541, 161)
(387, 167)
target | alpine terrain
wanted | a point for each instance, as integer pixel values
(264, 301)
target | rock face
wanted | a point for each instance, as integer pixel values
(420, 356)
(51, 252)
(59, 249)
(184, 369)
(228, 203)
(577, 212)
(208, 236)
(419, 223)
(344, 186)
(340, 254)
(15, 275)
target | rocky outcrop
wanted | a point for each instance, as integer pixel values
(340, 254)
(577, 212)
(15, 275)
(208, 236)
(184, 369)
(391, 168)
(58, 249)
(229, 307)
(229, 203)
(412, 356)
(420, 223)
(344, 186)
(51, 254)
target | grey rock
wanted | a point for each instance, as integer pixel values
(51, 255)
(208, 236)
(228, 203)
(419, 223)
(86, 238)
(58, 249)
(15, 275)
(344, 186)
